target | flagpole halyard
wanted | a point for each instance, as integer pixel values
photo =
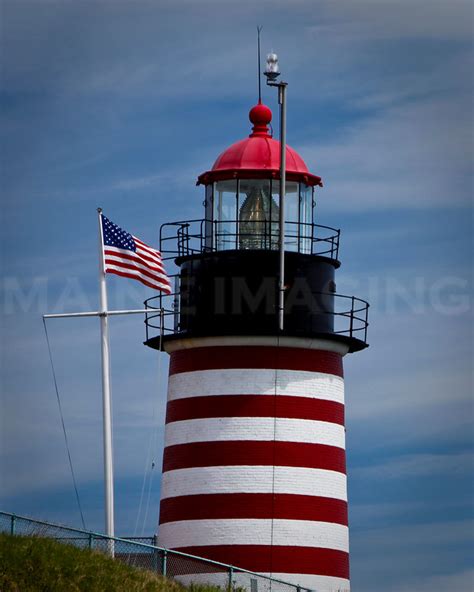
(106, 395)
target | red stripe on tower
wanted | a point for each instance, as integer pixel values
(280, 358)
(251, 452)
(287, 559)
(253, 505)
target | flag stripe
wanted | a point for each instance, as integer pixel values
(130, 255)
(147, 255)
(137, 276)
(113, 252)
(148, 259)
(159, 277)
(146, 247)
(148, 252)
(147, 272)
(255, 406)
(253, 505)
(137, 273)
(252, 453)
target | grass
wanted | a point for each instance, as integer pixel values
(34, 564)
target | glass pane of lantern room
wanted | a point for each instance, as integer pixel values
(306, 218)
(209, 206)
(292, 228)
(225, 215)
(258, 215)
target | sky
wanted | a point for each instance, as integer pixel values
(122, 105)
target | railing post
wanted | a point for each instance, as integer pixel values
(146, 320)
(12, 525)
(186, 235)
(91, 539)
(164, 562)
(176, 312)
(366, 321)
(203, 235)
(179, 240)
(231, 574)
(352, 317)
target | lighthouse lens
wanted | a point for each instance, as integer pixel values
(258, 216)
(244, 214)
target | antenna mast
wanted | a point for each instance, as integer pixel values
(259, 28)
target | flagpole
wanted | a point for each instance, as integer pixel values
(106, 402)
(161, 283)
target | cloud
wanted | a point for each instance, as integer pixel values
(459, 582)
(411, 156)
(431, 19)
(124, 49)
(405, 557)
(419, 466)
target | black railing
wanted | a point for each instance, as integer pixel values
(349, 314)
(357, 316)
(193, 237)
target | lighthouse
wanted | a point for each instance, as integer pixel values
(254, 468)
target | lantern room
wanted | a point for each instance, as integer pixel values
(228, 260)
(242, 194)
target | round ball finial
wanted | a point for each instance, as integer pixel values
(260, 116)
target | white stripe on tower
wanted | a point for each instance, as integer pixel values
(191, 533)
(296, 383)
(243, 580)
(247, 479)
(254, 428)
(254, 462)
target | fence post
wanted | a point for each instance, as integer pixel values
(155, 553)
(231, 574)
(12, 525)
(164, 562)
(90, 540)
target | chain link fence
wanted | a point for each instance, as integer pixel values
(184, 568)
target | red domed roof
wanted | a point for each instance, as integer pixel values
(258, 156)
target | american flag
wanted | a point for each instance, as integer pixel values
(128, 256)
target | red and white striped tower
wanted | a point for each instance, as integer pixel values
(254, 470)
